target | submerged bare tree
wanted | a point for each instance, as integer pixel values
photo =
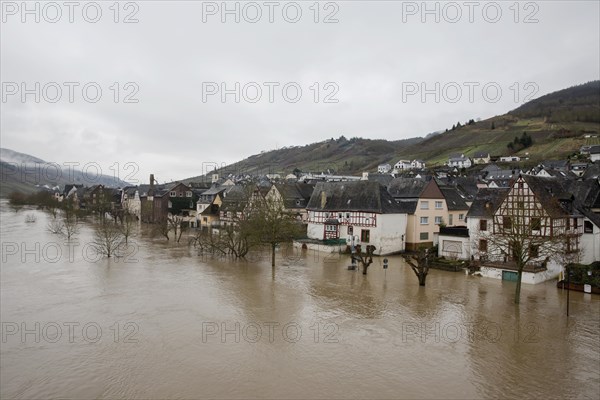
(128, 224)
(55, 226)
(107, 238)
(70, 223)
(163, 228)
(271, 224)
(365, 259)
(178, 225)
(419, 263)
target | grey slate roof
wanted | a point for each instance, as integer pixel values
(453, 198)
(353, 196)
(295, 195)
(486, 202)
(384, 179)
(592, 171)
(550, 192)
(406, 187)
(491, 168)
(235, 198)
(503, 174)
(216, 189)
(555, 164)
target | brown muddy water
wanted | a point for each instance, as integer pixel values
(163, 322)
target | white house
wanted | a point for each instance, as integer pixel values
(384, 168)
(545, 209)
(595, 153)
(482, 158)
(459, 161)
(510, 159)
(402, 165)
(362, 211)
(417, 164)
(130, 200)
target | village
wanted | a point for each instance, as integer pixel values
(470, 210)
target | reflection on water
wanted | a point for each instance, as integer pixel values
(167, 323)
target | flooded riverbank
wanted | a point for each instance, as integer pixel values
(163, 322)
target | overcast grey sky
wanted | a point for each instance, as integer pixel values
(375, 61)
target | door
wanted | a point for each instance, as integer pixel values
(510, 276)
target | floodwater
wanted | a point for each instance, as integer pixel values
(163, 322)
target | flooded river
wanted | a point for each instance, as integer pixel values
(163, 322)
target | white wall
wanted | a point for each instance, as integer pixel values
(590, 246)
(552, 272)
(454, 246)
(386, 236)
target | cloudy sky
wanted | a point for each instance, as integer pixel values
(302, 72)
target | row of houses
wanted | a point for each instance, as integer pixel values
(481, 158)
(393, 214)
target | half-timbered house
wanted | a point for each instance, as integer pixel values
(363, 212)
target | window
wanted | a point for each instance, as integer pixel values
(424, 236)
(438, 205)
(340, 215)
(461, 217)
(424, 205)
(534, 251)
(483, 224)
(588, 227)
(365, 235)
(424, 220)
(350, 230)
(347, 215)
(330, 228)
(438, 220)
(188, 194)
(173, 194)
(450, 219)
(483, 245)
(507, 222)
(536, 224)
(180, 194)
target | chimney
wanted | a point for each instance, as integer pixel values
(151, 189)
(323, 199)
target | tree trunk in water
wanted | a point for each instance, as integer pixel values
(272, 255)
(422, 278)
(518, 291)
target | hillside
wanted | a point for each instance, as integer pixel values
(340, 155)
(25, 173)
(557, 122)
